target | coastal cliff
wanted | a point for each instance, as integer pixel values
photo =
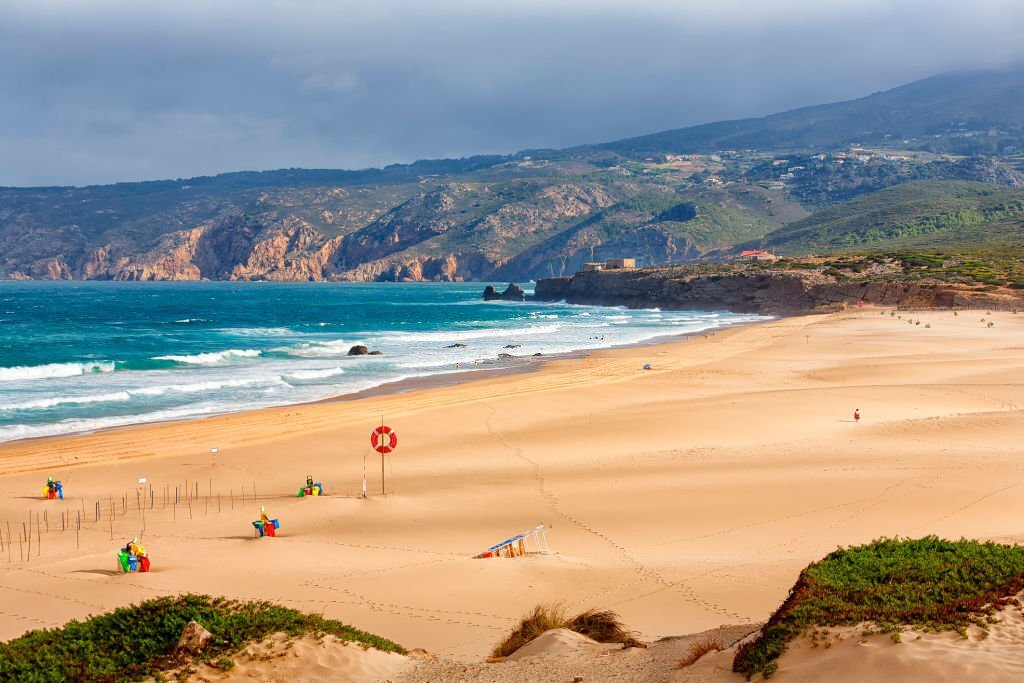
(765, 290)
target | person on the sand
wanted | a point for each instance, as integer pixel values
(856, 415)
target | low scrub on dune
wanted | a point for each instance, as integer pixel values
(926, 583)
(133, 643)
(600, 625)
(700, 648)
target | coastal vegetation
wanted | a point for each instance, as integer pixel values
(927, 583)
(916, 215)
(133, 643)
(602, 626)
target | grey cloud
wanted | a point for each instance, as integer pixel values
(112, 90)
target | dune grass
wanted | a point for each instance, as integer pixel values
(600, 625)
(926, 583)
(132, 643)
(700, 648)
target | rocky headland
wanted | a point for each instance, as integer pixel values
(778, 290)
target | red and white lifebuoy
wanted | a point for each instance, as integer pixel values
(383, 439)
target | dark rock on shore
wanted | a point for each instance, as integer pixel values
(512, 293)
(456, 346)
(512, 346)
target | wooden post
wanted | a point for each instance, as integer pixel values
(39, 538)
(218, 502)
(28, 535)
(190, 508)
(21, 547)
(46, 518)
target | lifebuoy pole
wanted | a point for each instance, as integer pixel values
(382, 491)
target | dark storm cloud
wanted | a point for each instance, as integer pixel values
(109, 90)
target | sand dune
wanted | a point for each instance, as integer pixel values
(684, 497)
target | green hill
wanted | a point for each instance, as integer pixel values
(923, 214)
(665, 198)
(953, 112)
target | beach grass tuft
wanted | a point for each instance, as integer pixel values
(600, 625)
(137, 642)
(700, 648)
(925, 583)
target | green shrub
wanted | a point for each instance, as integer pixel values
(133, 643)
(927, 582)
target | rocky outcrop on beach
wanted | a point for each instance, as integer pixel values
(512, 293)
(762, 291)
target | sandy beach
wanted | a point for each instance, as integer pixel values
(684, 497)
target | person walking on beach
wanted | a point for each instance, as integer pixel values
(856, 414)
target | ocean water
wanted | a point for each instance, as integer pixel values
(80, 356)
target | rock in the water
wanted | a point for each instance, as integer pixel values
(512, 293)
(505, 356)
(376, 353)
(512, 346)
(358, 350)
(193, 638)
(538, 354)
(456, 346)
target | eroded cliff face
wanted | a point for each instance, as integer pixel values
(452, 232)
(779, 292)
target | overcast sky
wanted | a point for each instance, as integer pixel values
(96, 91)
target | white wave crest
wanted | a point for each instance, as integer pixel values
(316, 349)
(51, 370)
(129, 394)
(472, 334)
(313, 374)
(211, 358)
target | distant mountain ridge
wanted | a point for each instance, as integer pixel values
(670, 197)
(939, 107)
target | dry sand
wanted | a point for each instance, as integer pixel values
(684, 497)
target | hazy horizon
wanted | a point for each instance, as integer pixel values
(111, 91)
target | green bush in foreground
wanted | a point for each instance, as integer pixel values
(928, 582)
(134, 642)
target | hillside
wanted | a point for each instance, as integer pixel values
(924, 214)
(950, 112)
(667, 198)
(514, 219)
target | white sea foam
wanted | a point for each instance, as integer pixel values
(51, 370)
(212, 357)
(317, 349)
(129, 394)
(448, 335)
(313, 374)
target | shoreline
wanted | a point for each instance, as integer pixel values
(683, 498)
(518, 365)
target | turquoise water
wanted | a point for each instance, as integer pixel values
(79, 356)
